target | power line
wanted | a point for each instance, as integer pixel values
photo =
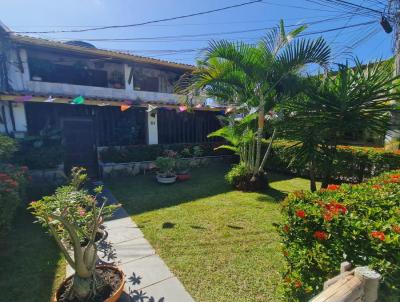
(171, 38)
(143, 23)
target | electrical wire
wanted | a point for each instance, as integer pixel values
(146, 22)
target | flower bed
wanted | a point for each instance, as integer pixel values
(357, 223)
(352, 164)
(13, 181)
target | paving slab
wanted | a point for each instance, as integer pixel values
(147, 276)
(121, 230)
(171, 290)
(145, 272)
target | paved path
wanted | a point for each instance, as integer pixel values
(147, 276)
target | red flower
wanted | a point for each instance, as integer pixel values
(377, 187)
(286, 228)
(320, 235)
(328, 216)
(333, 187)
(378, 235)
(395, 176)
(301, 214)
(298, 284)
(396, 229)
(335, 207)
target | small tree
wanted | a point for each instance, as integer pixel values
(62, 214)
(254, 75)
(351, 99)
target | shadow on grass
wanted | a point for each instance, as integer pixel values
(30, 262)
(142, 193)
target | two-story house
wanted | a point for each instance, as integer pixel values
(94, 97)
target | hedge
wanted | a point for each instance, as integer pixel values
(355, 223)
(352, 164)
(138, 153)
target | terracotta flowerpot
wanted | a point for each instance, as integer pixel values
(113, 298)
(183, 177)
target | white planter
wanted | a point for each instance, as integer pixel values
(166, 180)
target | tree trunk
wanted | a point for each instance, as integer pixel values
(261, 122)
(261, 168)
(313, 185)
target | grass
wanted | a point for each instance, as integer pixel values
(219, 242)
(31, 264)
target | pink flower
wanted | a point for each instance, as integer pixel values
(82, 213)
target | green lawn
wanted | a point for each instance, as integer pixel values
(31, 264)
(219, 242)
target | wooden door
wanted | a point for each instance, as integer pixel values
(80, 146)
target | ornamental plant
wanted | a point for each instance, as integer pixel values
(351, 164)
(13, 183)
(357, 223)
(69, 215)
(166, 164)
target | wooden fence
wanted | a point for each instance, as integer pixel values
(358, 285)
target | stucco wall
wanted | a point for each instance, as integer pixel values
(20, 78)
(18, 110)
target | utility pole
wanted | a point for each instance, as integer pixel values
(392, 138)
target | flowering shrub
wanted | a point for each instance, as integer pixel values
(13, 181)
(351, 164)
(357, 223)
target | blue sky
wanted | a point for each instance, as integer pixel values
(174, 40)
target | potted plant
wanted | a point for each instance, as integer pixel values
(59, 214)
(116, 79)
(166, 168)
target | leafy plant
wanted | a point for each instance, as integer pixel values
(357, 223)
(254, 75)
(358, 97)
(73, 211)
(8, 147)
(13, 183)
(166, 166)
(352, 164)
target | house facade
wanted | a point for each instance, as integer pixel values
(94, 98)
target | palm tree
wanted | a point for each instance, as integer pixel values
(352, 99)
(255, 75)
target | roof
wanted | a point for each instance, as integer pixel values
(50, 44)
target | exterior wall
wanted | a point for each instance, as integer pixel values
(19, 114)
(20, 78)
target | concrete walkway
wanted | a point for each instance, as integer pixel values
(147, 276)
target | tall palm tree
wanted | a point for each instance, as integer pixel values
(255, 75)
(352, 99)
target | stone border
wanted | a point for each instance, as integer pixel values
(109, 170)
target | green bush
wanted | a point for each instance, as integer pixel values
(44, 157)
(236, 175)
(351, 164)
(357, 223)
(8, 147)
(13, 182)
(139, 153)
